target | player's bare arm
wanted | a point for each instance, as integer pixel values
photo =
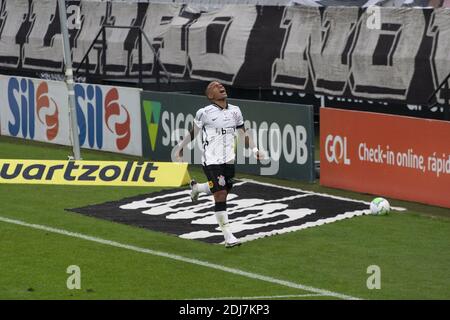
(190, 136)
(249, 143)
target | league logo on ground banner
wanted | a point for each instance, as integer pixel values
(255, 210)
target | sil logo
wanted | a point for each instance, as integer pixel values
(121, 129)
(96, 107)
(28, 103)
(336, 149)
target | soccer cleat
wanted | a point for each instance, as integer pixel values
(194, 191)
(232, 244)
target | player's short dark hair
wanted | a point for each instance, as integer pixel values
(207, 88)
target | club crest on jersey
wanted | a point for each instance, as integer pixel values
(210, 184)
(221, 180)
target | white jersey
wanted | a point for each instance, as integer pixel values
(219, 127)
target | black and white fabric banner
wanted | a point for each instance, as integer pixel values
(255, 210)
(367, 3)
(393, 53)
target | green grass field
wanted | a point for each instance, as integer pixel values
(412, 249)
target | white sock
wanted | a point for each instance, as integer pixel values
(204, 187)
(222, 219)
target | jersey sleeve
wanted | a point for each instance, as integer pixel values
(199, 118)
(239, 119)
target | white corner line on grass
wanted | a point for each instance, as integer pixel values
(314, 193)
(264, 297)
(206, 264)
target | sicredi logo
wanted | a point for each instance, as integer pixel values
(285, 142)
(97, 106)
(336, 149)
(26, 103)
(152, 111)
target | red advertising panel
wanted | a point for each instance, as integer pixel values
(395, 156)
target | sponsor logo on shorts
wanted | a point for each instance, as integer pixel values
(221, 180)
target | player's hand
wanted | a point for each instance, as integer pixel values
(179, 154)
(259, 154)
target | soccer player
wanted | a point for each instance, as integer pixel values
(219, 123)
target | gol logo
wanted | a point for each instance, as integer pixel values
(336, 149)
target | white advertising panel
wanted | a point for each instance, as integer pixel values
(108, 117)
(34, 109)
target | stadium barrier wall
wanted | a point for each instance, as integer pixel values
(109, 117)
(284, 131)
(395, 156)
